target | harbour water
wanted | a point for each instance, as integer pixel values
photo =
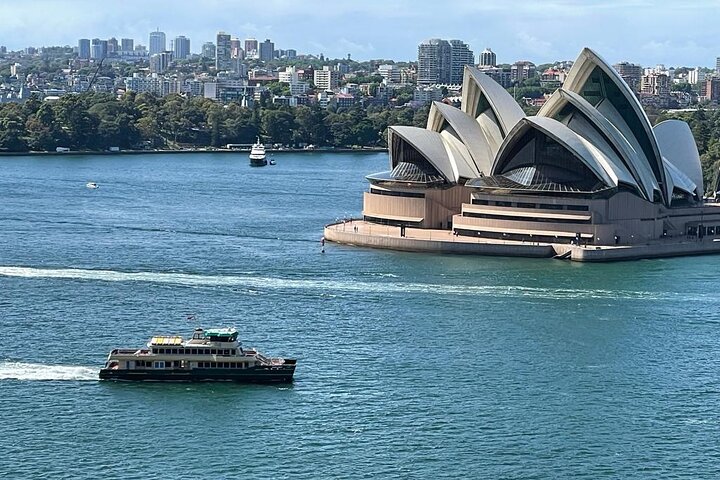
(410, 365)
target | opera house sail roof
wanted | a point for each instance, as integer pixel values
(591, 136)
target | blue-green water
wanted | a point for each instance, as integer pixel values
(410, 365)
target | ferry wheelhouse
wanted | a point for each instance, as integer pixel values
(210, 355)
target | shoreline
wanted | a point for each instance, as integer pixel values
(193, 150)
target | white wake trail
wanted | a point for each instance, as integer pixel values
(326, 285)
(38, 371)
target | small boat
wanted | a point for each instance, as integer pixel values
(92, 185)
(209, 355)
(272, 161)
(257, 155)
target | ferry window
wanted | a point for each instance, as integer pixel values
(581, 208)
(501, 203)
(213, 351)
(193, 351)
(232, 352)
(711, 230)
(525, 205)
(159, 364)
(174, 351)
(226, 365)
(226, 352)
(206, 351)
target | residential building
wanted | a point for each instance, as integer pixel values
(208, 50)
(717, 65)
(427, 94)
(98, 49)
(157, 42)
(655, 84)
(522, 70)
(695, 76)
(112, 46)
(390, 73)
(266, 50)
(84, 48)
(222, 52)
(488, 58)
(160, 62)
(710, 90)
(434, 62)
(460, 55)
(503, 76)
(181, 47)
(251, 48)
(127, 44)
(326, 79)
(631, 73)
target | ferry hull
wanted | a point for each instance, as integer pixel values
(257, 375)
(256, 162)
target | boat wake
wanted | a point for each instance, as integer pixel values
(323, 286)
(39, 371)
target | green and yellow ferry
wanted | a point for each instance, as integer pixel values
(210, 355)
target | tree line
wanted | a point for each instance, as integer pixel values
(98, 121)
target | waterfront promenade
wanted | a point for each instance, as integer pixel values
(361, 233)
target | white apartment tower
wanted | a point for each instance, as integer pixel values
(326, 79)
(434, 60)
(488, 58)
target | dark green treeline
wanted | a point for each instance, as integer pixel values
(97, 121)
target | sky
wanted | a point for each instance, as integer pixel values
(673, 33)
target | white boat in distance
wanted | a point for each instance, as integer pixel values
(257, 155)
(92, 185)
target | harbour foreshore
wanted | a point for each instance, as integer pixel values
(360, 233)
(193, 150)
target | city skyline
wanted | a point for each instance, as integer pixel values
(639, 31)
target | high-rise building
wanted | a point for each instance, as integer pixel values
(710, 90)
(84, 48)
(98, 49)
(290, 53)
(460, 55)
(326, 79)
(631, 73)
(208, 50)
(127, 44)
(434, 60)
(181, 47)
(157, 42)
(160, 62)
(522, 70)
(488, 58)
(717, 65)
(112, 46)
(222, 52)
(236, 50)
(251, 48)
(266, 50)
(656, 84)
(695, 76)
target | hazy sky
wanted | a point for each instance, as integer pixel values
(678, 32)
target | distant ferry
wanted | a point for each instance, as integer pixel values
(210, 355)
(257, 155)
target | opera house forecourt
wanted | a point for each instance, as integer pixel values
(588, 178)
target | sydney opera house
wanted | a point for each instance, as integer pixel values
(587, 178)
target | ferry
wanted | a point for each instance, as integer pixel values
(257, 155)
(210, 355)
